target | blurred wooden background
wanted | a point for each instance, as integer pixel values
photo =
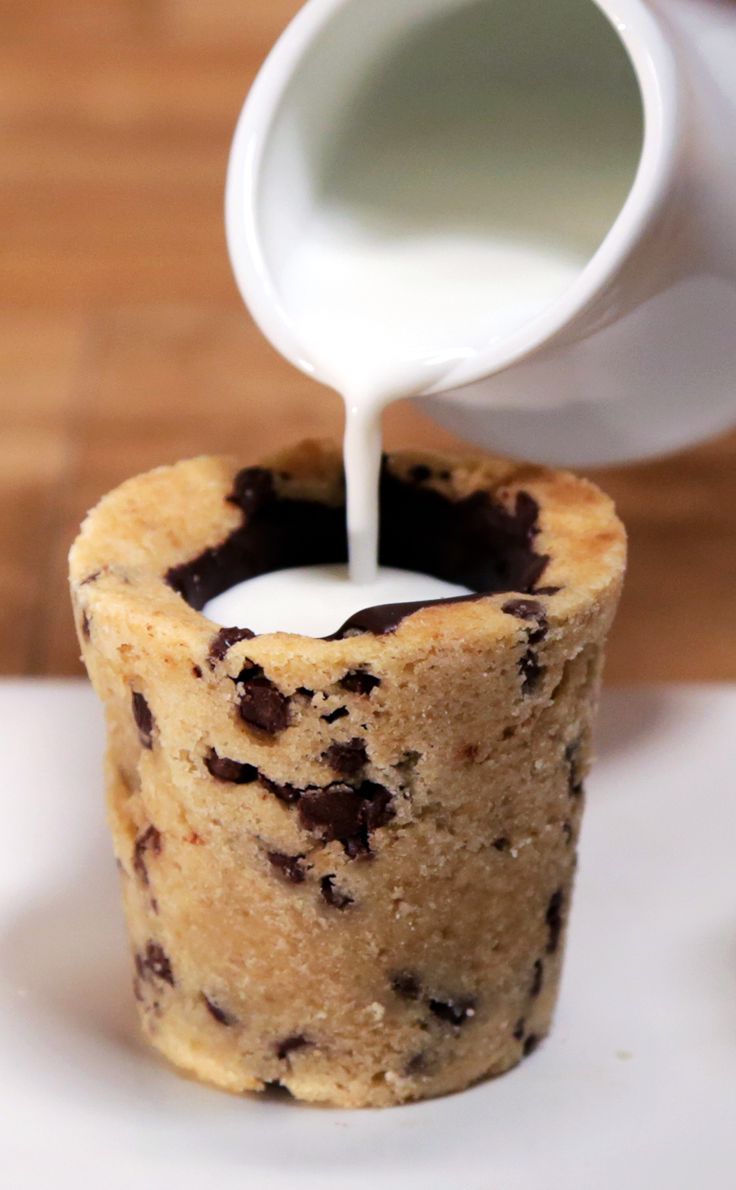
(123, 343)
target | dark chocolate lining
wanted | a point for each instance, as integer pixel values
(475, 542)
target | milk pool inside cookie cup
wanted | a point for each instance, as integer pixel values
(310, 600)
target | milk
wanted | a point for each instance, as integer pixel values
(317, 600)
(382, 319)
(381, 322)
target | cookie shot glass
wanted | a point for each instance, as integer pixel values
(347, 863)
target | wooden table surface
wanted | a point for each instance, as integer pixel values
(123, 343)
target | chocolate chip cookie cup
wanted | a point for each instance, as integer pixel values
(347, 864)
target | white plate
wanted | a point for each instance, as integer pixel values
(635, 1089)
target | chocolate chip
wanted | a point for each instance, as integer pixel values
(221, 1016)
(501, 844)
(234, 772)
(262, 704)
(274, 1087)
(333, 716)
(572, 756)
(387, 617)
(86, 626)
(342, 814)
(530, 611)
(334, 812)
(289, 866)
(531, 671)
(348, 758)
(332, 895)
(252, 489)
(408, 762)
(359, 681)
(407, 985)
(527, 513)
(224, 641)
(420, 473)
(290, 1045)
(154, 962)
(143, 719)
(305, 692)
(554, 920)
(150, 840)
(377, 805)
(453, 1012)
(530, 1044)
(519, 1030)
(417, 1064)
(508, 733)
(197, 671)
(537, 979)
(524, 609)
(444, 474)
(285, 793)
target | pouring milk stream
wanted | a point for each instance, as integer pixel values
(422, 195)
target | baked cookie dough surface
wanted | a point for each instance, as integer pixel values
(347, 864)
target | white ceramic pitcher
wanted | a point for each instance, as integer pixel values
(637, 355)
